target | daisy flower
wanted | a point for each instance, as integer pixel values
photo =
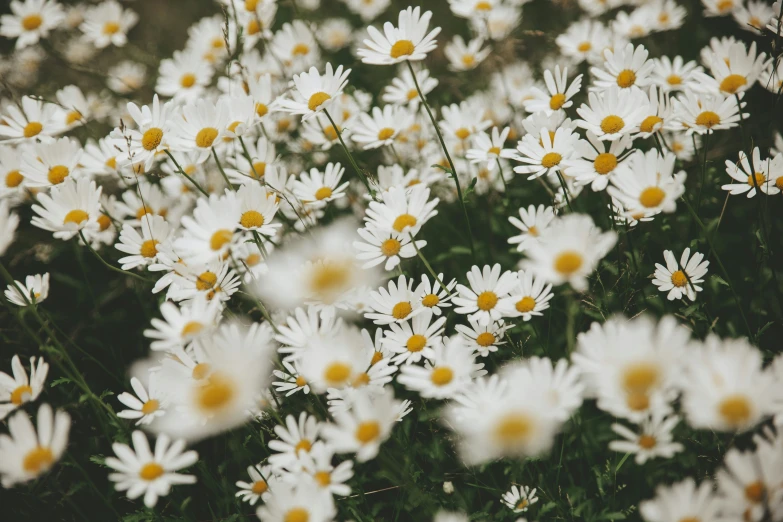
(26, 454)
(560, 383)
(649, 186)
(142, 248)
(533, 222)
(487, 288)
(108, 24)
(624, 68)
(319, 188)
(334, 34)
(735, 73)
(749, 482)
(69, 208)
(750, 179)
(594, 165)
(612, 114)
(396, 305)
(434, 295)
(774, 183)
(569, 252)
(314, 92)
(292, 379)
(303, 326)
(653, 440)
(519, 498)
(753, 16)
(296, 46)
(499, 23)
(139, 471)
(558, 95)
(488, 150)
(584, 40)
(257, 209)
(209, 281)
(301, 500)
(383, 127)
(402, 90)
(201, 124)
(297, 436)
(483, 339)
(210, 232)
(35, 288)
(19, 389)
(318, 464)
(51, 163)
(145, 407)
(719, 7)
(682, 501)
(378, 246)
(142, 145)
(464, 57)
(542, 154)
(683, 278)
(263, 158)
(412, 341)
(463, 121)
(126, 77)
(367, 9)
(262, 478)
(674, 74)
(530, 297)
(9, 221)
(451, 366)
(182, 325)
(31, 20)
(408, 41)
(705, 113)
(184, 76)
(402, 210)
(335, 362)
(681, 144)
(473, 8)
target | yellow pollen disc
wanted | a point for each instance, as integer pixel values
(462, 133)
(584, 47)
(300, 49)
(677, 146)
(111, 28)
(206, 137)
(149, 248)
(376, 358)
(57, 174)
(220, 238)
(649, 123)
(323, 193)
(526, 304)
(261, 110)
(317, 99)
(431, 300)
(673, 79)
(151, 406)
(32, 22)
(251, 219)
(300, 381)
(191, 328)
(330, 132)
(487, 300)
(337, 373)
(401, 310)
(367, 431)
(385, 133)
(755, 492)
(13, 179)
(200, 371)
(259, 487)
(679, 279)
(494, 150)
(151, 138)
(605, 163)
(725, 6)
(551, 159)
(258, 170)
(76, 217)
(111, 163)
(297, 515)
(468, 60)
(38, 460)
(626, 78)
(253, 27)
(206, 280)
(707, 119)
(638, 401)
(151, 471)
(329, 277)
(533, 231)
(732, 83)
(303, 445)
(647, 441)
(402, 48)
(779, 182)
(390, 247)
(252, 259)
(640, 377)
(416, 343)
(651, 197)
(188, 80)
(216, 393)
(483, 6)
(485, 339)
(72, 117)
(612, 124)
(513, 429)
(523, 504)
(323, 478)
(143, 211)
(441, 376)
(557, 101)
(758, 177)
(402, 221)
(735, 410)
(568, 262)
(21, 394)
(413, 93)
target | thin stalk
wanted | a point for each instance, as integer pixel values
(107, 265)
(220, 168)
(565, 191)
(179, 168)
(502, 177)
(429, 268)
(704, 147)
(348, 153)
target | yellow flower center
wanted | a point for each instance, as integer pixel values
(323, 478)
(679, 279)
(367, 431)
(735, 410)
(300, 381)
(584, 47)
(206, 280)
(401, 310)
(200, 371)
(468, 60)
(72, 117)
(462, 133)
(205, 137)
(413, 93)
(390, 247)
(258, 170)
(220, 238)
(13, 179)
(485, 339)
(557, 101)
(402, 221)
(551, 159)
(149, 248)
(323, 193)
(32, 22)
(300, 49)
(513, 429)
(755, 492)
(779, 182)
(640, 378)
(76, 217)
(151, 406)
(649, 123)
(21, 394)
(605, 163)
(111, 28)
(261, 110)
(725, 6)
(191, 328)
(626, 78)
(523, 504)
(259, 487)
(416, 343)
(651, 197)
(32, 129)
(707, 119)
(151, 471)
(188, 80)
(317, 99)
(216, 393)
(431, 300)
(487, 300)
(441, 376)
(533, 231)
(673, 79)
(253, 27)
(385, 133)
(483, 6)
(251, 219)
(337, 373)
(732, 83)
(526, 304)
(494, 150)
(38, 460)
(647, 441)
(759, 178)
(612, 124)
(303, 445)
(638, 401)
(329, 277)
(402, 48)
(57, 174)
(151, 138)
(252, 259)
(568, 262)
(297, 515)
(330, 132)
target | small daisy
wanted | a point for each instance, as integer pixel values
(214, 280)
(530, 297)
(303, 500)
(434, 295)
(51, 163)
(402, 90)
(674, 74)
(584, 40)
(334, 34)
(31, 20)
(594, 165)
(319, 188)
(295, 45)
(108, 24)
(558, 95)
(314, 92)
(450, 368)
(483, 339)
(409, 41)
(26, 454)
(263, 158)
(257, 209)
(719, 7)
(752, 17)
(69, 208)
(378, 246)
(705, 113)
(625, 68)
(682, 501)
(683, 278)
(461, 122)
(750, 179)
(140, 147)
(412, 341)
(383, 127)
(318, 464)
(145, 407)
(533, 222)
(200, 125)
(488, 150)
(182, 325)
(142, 248)
(19, 389)
(487, 288)
(35, 288)
(291, 381)
(543, 154)
(126, 77)
(649, 186)
(464, 57)
(262, 478)
(297, 436)
(184, 76)
(735, 73)
(612, 114)
(396, 305)
(653, 440)
(520, 498)
(402, 210)
(139, 471)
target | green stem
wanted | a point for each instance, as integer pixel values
(348, 153)
(220, 168)
(179, 168)
(565, 190)
(111, 267)
(429, 268)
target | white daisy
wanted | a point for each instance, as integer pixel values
(314, 92)
(292, 379)
(383, 127)
(319, 188)
(436, 294)
(751, 179)
(483, 339)
(649, 186)
(558, 95)
(144, 406)
(297, 436)
(69, 208)
(520, 498)
(683, 278)
(487, 288)
(108, 24)
(612, 113)
(682, 501)
(450, 368)
(625, 68)
(653, 440)
(543, 154)
(34, 290)
(408, 41)
(18, 389)
(182, 325)
(530, 297)
(31, 20)
(380, 246)
(263, 479)
(533, 222)
(52, 163)
(464, 57)
(402, 90)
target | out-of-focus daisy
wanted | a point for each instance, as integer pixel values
(533, 222)
(487, 149)
(142, 247)
(530, 297)
(674, 74)
(402, 90)
(682, 501)
(403, 211)
(295, 46)
(451, 366)
(126, 77)
(750, 178)
(302, 500)
(318, 464)
(379, 246)
(464, 57)
(483, 339)
(612, 114)
(487, 288)
(719, 7)
(184, 76)
(319, 188)
(18, 389)
(735, 73)
(753, 16)
(262, 478)
(559, 93)
(584, 40)
(749, 482)
(774, 183)
(35, 121)
(144, 406)
(8, 223)
(291, 381)
(681, 278)
(461, 122)
(108, 24)
(182, 325)
(31, 20)
(653, 440)
(408, 41)
(705, 113)
(649, 186)
(334, 33)
(520, 498)
(383, 127)
(139, 471)
(34, 290)
(69, 208)
(51, 163)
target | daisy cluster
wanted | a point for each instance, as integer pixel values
(271, 204)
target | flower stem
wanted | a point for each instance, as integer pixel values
(565, 191)
(348, 153)
(220, 168)
(111, 267)
(179, 168)
(429, 268)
